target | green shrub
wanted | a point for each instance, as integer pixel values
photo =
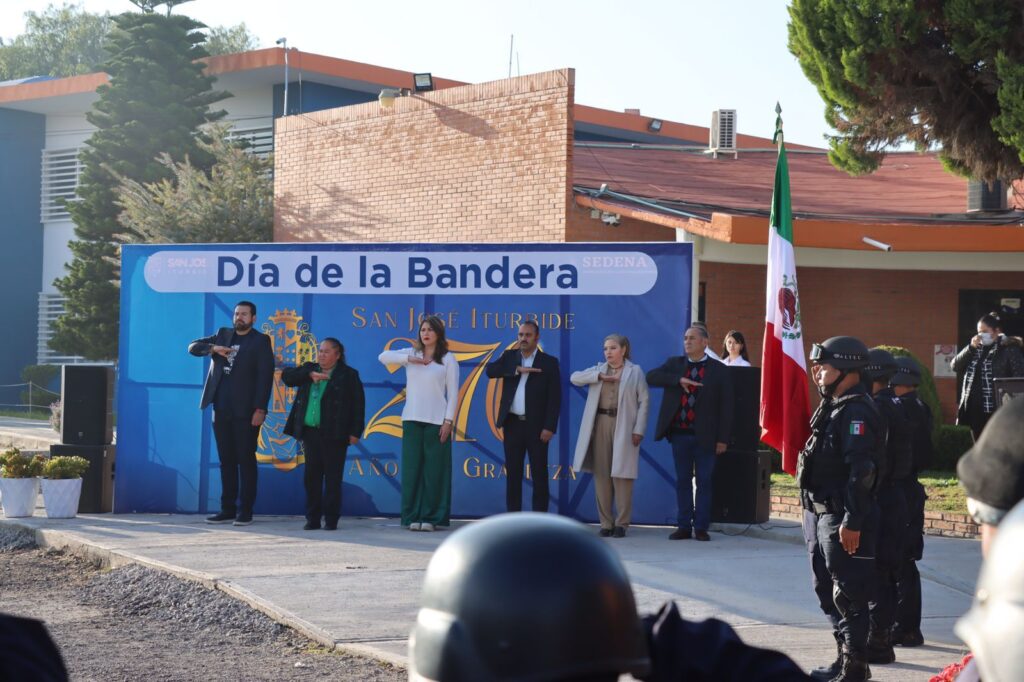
(926, 391)
(65, 467)
(952, 443)
(13, 464)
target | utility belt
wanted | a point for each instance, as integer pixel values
(825, 504)
(610, 411)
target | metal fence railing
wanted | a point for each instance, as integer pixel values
(26, 397)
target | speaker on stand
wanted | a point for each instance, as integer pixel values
(87, 430)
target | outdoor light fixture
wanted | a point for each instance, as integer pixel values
(882, 246)
(387, 97)
(654, 125)
(422, 82)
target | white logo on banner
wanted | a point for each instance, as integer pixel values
(626, 273)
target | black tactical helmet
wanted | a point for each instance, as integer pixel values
(525, 597)
(881, 365)
(842, 352)
(907, 373)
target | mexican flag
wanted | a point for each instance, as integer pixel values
(785, 403)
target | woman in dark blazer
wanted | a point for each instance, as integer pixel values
(990, 355)
(327, 416)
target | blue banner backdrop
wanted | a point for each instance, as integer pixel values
(371, 296)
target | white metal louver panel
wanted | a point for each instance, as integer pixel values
(51, 306)
(261, 140)
(61, 171)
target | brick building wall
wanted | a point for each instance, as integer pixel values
(911, 309)
(487, 162)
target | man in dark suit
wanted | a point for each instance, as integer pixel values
(696, 417)
(238, 386)
(531, 397)
(328, 415)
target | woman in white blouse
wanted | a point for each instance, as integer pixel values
(431, 394)
(613, 424)
(734, 350)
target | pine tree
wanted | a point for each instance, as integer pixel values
(156, 101)
(938, 74)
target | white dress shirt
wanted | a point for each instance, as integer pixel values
(519, 399)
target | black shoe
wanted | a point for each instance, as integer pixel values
(243, 520)
(619, 532)
(310, 525)
(220, 517)
(605, 532)
(331, 524)
(907, 639)
(681, 534)
(701, 535)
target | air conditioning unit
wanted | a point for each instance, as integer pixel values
(723, 130)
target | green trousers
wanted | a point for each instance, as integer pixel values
(426, 475)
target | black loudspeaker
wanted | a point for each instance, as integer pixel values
(740, 487)
(98, 481)
(746, 386)
(87, 399)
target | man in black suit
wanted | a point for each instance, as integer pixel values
(238, 385)
(696, 417)
(531, 397)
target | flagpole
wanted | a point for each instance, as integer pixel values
(785, 399)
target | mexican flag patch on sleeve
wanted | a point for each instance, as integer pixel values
(856, 428)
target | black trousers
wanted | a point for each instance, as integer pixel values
(908, 582)
(892, 536)
(520, 442)
(322, 476)
(844, 583)
(236, 447)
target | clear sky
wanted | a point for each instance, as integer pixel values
(672, 59)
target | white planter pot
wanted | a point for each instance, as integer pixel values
(18, 496)
(61, 497)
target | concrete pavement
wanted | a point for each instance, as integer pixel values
(26, 434)
(357, 588)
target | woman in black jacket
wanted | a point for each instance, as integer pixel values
(990, 355)
(327, 416)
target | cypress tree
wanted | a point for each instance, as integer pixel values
(154, 104)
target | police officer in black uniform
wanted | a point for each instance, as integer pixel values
(837, 471)
(892, 505)
(907, 629)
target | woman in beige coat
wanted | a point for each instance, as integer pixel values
(613, 425)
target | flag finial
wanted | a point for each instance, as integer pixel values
(777, 137)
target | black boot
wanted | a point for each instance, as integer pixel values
(855, 668)
(827, 672)
(907, 638)
(879, 649)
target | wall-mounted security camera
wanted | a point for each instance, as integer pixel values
(612, 219)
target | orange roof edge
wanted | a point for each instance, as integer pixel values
(56, 87)
(676, 222)
(833, 234)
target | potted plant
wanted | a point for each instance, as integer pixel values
(19, 482)
(62, 485)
